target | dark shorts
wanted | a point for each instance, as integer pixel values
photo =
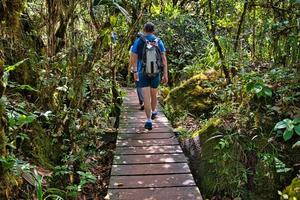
(145, 81)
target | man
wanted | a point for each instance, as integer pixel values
(139, 90)
(149, 84)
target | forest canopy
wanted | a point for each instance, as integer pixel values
(233, 94)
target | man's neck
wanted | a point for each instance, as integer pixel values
(145, 34)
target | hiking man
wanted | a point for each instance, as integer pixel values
(148, 60)
(139, 90)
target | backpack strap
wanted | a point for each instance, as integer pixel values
(144, 39)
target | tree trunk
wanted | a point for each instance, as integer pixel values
(2, 120)
(240, 26)
(52, 13)
(254, 33)
(251, 166)
(212, 30)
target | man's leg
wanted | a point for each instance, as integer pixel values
(147, 101)
(138, 91)
(140, 95)
(153, 92)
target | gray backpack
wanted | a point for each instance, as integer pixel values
(151, 58)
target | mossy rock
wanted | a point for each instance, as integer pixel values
(164, 92)
(193, 95)
(293, 190)
(45, 152)
(208, 129)
(8, 184)
(200, 160)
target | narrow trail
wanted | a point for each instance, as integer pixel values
(149, 164)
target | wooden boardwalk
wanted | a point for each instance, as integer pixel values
(149, 165)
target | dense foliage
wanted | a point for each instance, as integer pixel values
(233, 95)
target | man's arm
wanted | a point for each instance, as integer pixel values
(165, 70)
(133, 62)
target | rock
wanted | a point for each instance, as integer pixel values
(193, 95)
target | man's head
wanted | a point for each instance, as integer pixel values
(149, 28)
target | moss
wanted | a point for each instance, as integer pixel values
(209, 128)
(8, 184)
(293, 190)
(193, 95)
(164, 92)
(44, 150)
(213, 168)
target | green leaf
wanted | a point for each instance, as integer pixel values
(268, 91)
(296, 121)
(280, 125)
(288, 134)
(13, 67)
(113, 20)
(257, 88)
(297, 129)
(27, 87)
(7, 161)
(296, 145)
(290, 126)
(23, 119)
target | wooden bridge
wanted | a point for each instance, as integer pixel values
(149, 165)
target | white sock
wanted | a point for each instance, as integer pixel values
(154, 112)
(149, 120)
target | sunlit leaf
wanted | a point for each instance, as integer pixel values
(296, 145)
(257, 88)
(26, 87)
(280, 125)
(268, 91)
(297, 129)
(13, 67)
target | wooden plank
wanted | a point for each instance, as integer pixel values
(142, 120)
(150, 142)
(149, 158)
(148, 169)
(148, 150)
(143, 130)
(152, 181)
(140, 136)
(173, 193)
(149, 165)
(141, 125)
(134, 106)
(134, 117)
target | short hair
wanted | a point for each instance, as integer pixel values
(149, 27)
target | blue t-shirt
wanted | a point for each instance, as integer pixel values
(137, 48)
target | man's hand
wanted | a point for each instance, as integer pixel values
(165, 79)
(136, 76)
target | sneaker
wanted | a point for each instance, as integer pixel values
(142, 107)
(154, 115)
(148, 125)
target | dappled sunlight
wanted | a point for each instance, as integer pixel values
(166, 166)
(149, 159)
(170, 159)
